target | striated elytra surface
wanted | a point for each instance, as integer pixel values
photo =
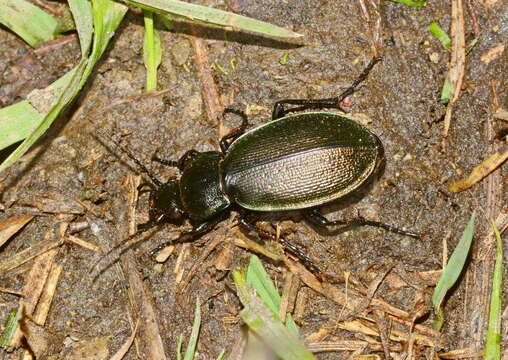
(299, 161)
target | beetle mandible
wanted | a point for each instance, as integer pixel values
(294, 162)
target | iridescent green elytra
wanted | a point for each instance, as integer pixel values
(299, 161)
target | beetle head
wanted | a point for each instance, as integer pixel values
(165, 203)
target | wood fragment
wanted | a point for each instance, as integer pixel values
(84, 244)
(28, 254)
(34, 286)
(213, 105)
(53, 202)
(210, 246)
(301, 301)
(222, 261)
(461, 353)
(457, 59)
(11, 291)
(244, 242)
(54, 44)
(501, 114)
(136, 97)
(480, 171)
(367, 328)
(284, 301)
(426, 335)
(126, 345)
(12, 225)
(384, 332)
(164, 254)
(141, 300)
(371, 291)
(348, 345)
(43, 306)
(179, 266)
(493, 53)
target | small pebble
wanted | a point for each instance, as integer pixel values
(434, 57)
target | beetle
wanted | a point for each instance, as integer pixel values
(297, 161)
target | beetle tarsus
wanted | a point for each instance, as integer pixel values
(335, 102)
(314, 217)
(363, 76)
(289, 247)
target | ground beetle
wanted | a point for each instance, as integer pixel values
(298, 161)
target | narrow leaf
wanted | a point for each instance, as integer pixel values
(446, 91)
(28, 21)
(493, 342)
(83, 18)
(10, 327)
(213, 16)
(107, 16)
(17, 121)
(413, 3)
(152, 53)
(453, 269)
(193, 340)
(441, 35)
(261, 282)
(266, 324)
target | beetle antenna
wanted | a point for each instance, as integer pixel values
(113, 255)
(141, 167)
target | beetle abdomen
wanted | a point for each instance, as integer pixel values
(299, 161)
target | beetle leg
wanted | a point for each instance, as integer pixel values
(289, 247)
(188, 236)
(334, 102)
(235, 133)
(314, 217)
(304, 104)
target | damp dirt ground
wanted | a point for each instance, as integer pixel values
(399, 102)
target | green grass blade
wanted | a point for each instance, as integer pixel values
(266, 324)
(10, 327)
(213, 16)
(179, 348)
(471, 46)
(441, 35)
(107, 17)
(413, 3)
(83, 18)
(261, 282)
(17, 122)
(152, 53)
(493, 343)
(193, 340)
(452, 270)
(446, 90)
(28, 21)
(291, 326)
(48, 119)
(221, 355)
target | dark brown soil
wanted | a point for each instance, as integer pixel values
(399, 102)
